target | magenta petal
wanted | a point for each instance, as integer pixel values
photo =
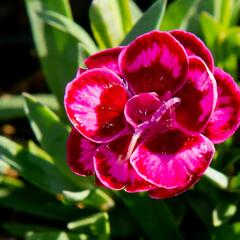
(171, 159)
(141, 107)
(114, 170)
(198, 97)
(162, 193)
(106, 58)
(80, 153)
(226, 118)
(154, 62)
(95, 102)
(194, 46)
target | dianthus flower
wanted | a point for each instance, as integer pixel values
(146, 115)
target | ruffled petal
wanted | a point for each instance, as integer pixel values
(140, 108)
(154, 62)
(106, 58)
(80, 153)
(162, 193)
(114, 170)
(171, 159)
(95, 102)
(226, 118)
(198, 98)
(194, 46)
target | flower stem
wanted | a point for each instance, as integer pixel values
(218, 178)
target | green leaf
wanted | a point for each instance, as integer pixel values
(57, 50)
(106, 22)
(98, 224)
(11, 106)
(219, 179)
(136, 12)
(68, 26)
(149, 21)
(179, 13)
(154, 217)
(35, 202)
(19, 229)
(54, 235)
(91, 198)
(52, 134)
(125, 11)
(211, 29)
(223, 11)
(223, 212)
(82, 55)
(227, 232)
(35, 166)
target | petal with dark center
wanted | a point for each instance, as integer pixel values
(226, 118)
(198, 98)
(114, 170)
(162, 193)
(80, 153)
(95, 102)
(106, 58)
(194, 46)
(154, 62)
(171, 159)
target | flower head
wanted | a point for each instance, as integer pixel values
(146, 116)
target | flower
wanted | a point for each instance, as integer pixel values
(146, 115)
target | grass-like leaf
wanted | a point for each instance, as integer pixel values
(68, 26)
(150, 20)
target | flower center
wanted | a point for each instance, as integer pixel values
(162, 120)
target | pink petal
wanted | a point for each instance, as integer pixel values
(194, 46)
(154, 62)
(162, 193)
(141, 107)
(198, 98)
(106, 58)
(171, 159)
(226, 117)
(95, 102)
(80, 154)
(114, 170)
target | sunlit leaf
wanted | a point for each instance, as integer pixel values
(70, 27)
(98, 224)
(57, 50)
(150, 20)
(106, 22)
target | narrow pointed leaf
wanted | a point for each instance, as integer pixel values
(210, 28)
(106, 22)
(68, 26)
(52, 135)
(136, 12)
(54, 235)
(57, 50)
(178, 14)
(97, 223)
(125, 10)
(153, 216)
(11, 106)
(150, 20)
(35, 166)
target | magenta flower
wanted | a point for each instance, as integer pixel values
(146, 116)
